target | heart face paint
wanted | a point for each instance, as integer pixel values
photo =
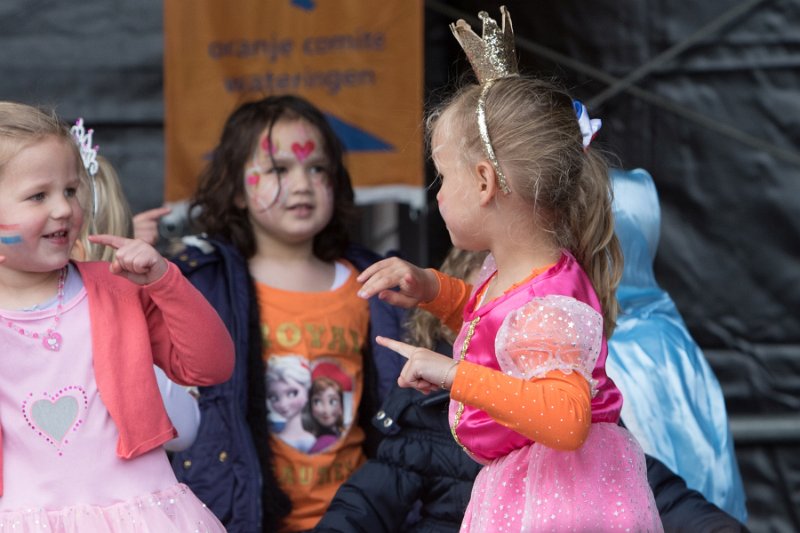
(263, 187)
(301, 152)
(288, 191)
(270, 165)
(267, 147)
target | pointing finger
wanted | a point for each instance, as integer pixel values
(396, 346)
(113, 241)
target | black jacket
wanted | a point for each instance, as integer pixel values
(421, 480)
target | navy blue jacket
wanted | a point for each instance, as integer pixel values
(225, 467)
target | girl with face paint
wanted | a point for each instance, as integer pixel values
(274, 206)
(83, 423)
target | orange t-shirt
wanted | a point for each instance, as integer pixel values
(313, 361)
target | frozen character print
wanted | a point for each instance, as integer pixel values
(329, 398)
(288, 379)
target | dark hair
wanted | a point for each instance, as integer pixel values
(214, 204)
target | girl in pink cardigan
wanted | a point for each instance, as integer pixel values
(82, 420)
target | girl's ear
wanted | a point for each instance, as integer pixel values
(487, 182)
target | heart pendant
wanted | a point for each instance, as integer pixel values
(52, 341)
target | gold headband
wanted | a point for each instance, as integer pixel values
(492, 57)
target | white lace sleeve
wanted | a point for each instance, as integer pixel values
(550, 333)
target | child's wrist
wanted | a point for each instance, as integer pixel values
(157, 272)
(433, 285)
(447, 384)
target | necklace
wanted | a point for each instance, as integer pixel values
(535, 272)
(51, 339)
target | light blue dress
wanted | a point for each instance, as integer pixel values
(673, 403)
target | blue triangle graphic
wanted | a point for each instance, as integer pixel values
(355, 139)
(308, 5)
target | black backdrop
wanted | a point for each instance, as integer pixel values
(716, 122)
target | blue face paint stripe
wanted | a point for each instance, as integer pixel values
(13, 239)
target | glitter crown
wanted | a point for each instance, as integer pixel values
(83, 139)
(493, 56)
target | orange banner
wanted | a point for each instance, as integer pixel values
(359, 62)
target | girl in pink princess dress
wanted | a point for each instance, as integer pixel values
(83, 424)
(530, 398)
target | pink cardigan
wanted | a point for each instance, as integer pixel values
(167, 322)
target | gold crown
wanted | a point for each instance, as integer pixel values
(492, 57)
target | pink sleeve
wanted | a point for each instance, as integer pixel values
(190, 342)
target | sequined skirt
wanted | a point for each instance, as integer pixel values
(175, 509)
(600, 487)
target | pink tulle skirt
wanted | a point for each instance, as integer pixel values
(600, 487)
(175, 509)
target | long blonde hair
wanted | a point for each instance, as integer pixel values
(538, 143)
(111, 215)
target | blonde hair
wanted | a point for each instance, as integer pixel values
(22, 125)
(111, 215)
(537, 140)
(285, 367)
(426, 330)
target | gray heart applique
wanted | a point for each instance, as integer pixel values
(55, 418)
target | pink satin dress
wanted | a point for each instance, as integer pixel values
(525, 486)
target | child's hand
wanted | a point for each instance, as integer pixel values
(145, 224)
(425, 370)
(416, 284)
(134, 259)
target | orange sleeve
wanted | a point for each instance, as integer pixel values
(554, 410)
(448, 305)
